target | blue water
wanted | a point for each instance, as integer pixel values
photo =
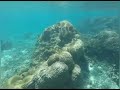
(19, 17)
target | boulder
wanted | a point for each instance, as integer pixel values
(56, 59)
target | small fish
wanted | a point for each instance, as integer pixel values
(28, 35)
(5, 45)
(1, 45)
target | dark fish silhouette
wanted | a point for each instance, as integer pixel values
(5, 45)
(28, 35)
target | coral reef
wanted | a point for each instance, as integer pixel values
(57, 58)
(105, 44)
(104, 48)
(96, 24)
(15, 61)
(62, 59)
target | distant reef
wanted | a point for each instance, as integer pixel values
(96, 24)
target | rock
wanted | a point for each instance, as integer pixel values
(52, 59)
(105, 43)
(76, 72)
(104, 48)
(66, 57)
(74, 47)
(57, 74)
(110, 40)
(56, 59)
(62, 57)
(57, 36)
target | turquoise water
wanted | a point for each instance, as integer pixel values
(19, 17)
(22, 21)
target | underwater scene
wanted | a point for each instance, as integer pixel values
(59, 44)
